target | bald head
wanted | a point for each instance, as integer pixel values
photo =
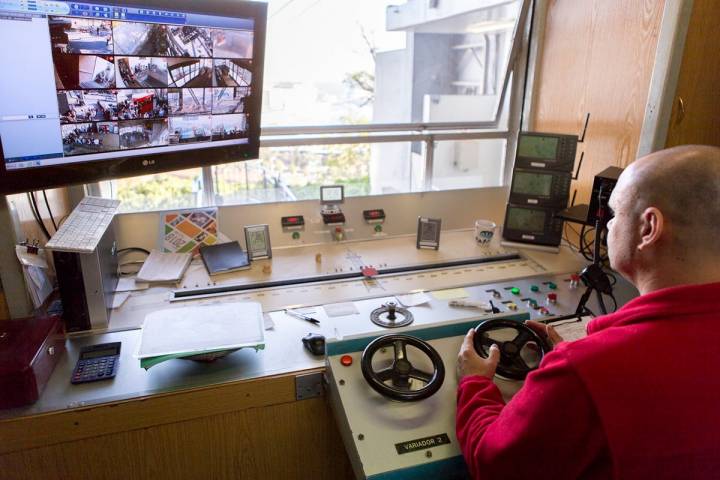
(684, 184)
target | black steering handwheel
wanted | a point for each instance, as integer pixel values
(402, 371)
(519, 355)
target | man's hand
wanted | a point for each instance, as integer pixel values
(546, 332)
(470, 363)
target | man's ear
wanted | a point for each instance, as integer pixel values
(652, 227)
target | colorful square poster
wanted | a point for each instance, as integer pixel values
(188, 230)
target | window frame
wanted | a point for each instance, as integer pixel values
(519, 65)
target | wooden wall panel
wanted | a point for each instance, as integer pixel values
(597, 56)
(296, 440)
(699, 81)
(252, 429)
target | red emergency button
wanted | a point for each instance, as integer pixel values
(346, 360)
(552, 297)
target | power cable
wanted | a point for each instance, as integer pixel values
(47, 205)
(36, 215)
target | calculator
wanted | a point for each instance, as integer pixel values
(96, 362)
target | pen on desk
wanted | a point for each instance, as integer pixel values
(302, 317)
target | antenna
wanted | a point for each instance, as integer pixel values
(587, 120)
(577, 172)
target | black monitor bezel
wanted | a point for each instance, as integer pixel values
(38, 178)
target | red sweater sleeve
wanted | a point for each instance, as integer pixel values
(549, 429)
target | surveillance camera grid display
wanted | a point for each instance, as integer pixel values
(126, 85)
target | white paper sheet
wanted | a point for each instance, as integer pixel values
(129, 284)
(268, 323)
(164, 267)
(119, 299)
(413, 299)
(340, 309)
(201, 328)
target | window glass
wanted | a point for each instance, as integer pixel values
(384, 61)
(295, 173)
(468, 164)
(172, 190)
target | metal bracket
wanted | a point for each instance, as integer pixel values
(309, 386)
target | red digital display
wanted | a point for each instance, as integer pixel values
(297, 220)
(329, 218)
(375, 215)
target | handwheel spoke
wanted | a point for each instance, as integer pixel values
(486, 341)
(400, 352)
(385, 375)
(522, 338)
(420, 375)
(518, 362)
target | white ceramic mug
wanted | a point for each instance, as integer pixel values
(484, 231)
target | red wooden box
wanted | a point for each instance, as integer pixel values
(29, 350)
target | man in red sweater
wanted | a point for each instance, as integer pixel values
(639, 397)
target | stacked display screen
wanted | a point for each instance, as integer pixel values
(129, 85)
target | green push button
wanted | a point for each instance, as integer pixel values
(551, 286)
(515, 291)
(534, 288)
(378, 228)
(295, 235)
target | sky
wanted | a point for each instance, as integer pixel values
(321, 40)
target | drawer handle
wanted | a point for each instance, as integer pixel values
(51, 350)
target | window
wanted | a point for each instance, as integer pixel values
(165, 191)
(409, 93)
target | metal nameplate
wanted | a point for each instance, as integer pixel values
(422, 443)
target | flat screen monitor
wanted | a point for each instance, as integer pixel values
(93, 91)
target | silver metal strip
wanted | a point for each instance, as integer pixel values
(208, 187)
(429, 163)
(512, 56)
(376, 127)
(537, 37)
(516, 101)
(666, 71)
(354, 139)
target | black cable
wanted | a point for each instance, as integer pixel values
(585, 244)
(601, 302)
(37, 210)
(566, 237)
(36, 215)
(133, 249)
(47, 205)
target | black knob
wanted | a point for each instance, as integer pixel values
(391, 310)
